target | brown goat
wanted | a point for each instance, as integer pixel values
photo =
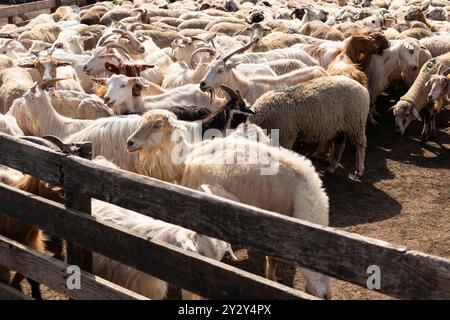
(129, 69)
(19, 231)
(356, 56)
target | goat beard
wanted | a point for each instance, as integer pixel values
(211, 96)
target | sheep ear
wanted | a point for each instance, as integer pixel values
(416, 114)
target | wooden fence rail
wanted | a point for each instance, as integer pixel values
(21, 10)
(346, 256)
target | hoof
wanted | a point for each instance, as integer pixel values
(331, 169)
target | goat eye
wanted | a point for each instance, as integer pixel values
(220, 71)
(411, 51)
(123, 85)
(157, 125)
(373, 21)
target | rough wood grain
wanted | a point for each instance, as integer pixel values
(74, 200)
(15, 10)
(195, 273)
(404, 274)
(31, 158)
(53, 273)
(9, 293)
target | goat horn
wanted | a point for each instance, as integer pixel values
(103, 39)
(194, 38)
(59, 79)
(124, 50)
(210, 37)
(230, 92)
(40, 141)
(242, 49)
(8, 41)
(56, 141)
(446, 72)
(439, 69)
(201, 49)
(134, 25)
(122, 32)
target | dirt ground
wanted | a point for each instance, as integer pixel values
(403, 198)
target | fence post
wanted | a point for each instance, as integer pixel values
(81, 202)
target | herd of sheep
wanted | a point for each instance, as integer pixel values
(250, 77)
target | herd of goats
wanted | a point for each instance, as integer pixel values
(128, 76)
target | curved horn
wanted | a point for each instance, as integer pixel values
(8, 41)
(201, 49)
(242, 49)
(55, 140)
(119, 47)
(41, 141)
(103, 39)
(446, 72)
(135, 25)
(230, 92)
(439, 69)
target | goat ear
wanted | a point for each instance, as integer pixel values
(416, 114)
(142, 67)
(112, 68)
(232, 65)
(63, 63)
(27, 65)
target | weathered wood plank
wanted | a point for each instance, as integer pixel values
(15, 10)
(404, 274)
(195, 273)
(53, 273)
(31, 158)
(81, 202)
(9, 293)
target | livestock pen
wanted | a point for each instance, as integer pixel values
(346, 256)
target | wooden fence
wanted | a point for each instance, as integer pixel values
(342, 255)
(21, 10)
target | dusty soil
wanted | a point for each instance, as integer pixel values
(403, 198)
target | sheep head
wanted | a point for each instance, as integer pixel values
(219, 70)
(154, 132)
(404, 112)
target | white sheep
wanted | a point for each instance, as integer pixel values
(14, 83)
(414, 101)
(329, 108)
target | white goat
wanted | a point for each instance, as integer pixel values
(36, 116)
